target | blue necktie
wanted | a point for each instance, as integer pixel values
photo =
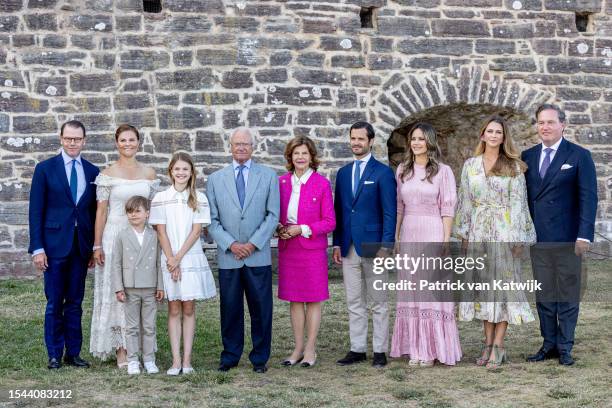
(73, 181)
(545, 163)
(356, 176)
(240, 187)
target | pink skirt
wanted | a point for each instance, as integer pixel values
(302, 274)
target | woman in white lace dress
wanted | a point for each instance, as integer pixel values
(115, 185)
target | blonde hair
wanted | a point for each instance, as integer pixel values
(192, 201)
(508, 163)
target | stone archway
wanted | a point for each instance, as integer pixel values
(456, 104)
(457, 126)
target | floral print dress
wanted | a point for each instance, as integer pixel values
(493, 210)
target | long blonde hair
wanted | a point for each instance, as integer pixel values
(509, 163)
(192, 201)
(433, 153)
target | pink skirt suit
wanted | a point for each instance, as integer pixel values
(302, 262)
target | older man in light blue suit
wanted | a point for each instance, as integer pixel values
(244, 210)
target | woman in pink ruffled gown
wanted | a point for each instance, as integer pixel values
(426, 198)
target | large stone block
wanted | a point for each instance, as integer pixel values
(197, 24)
(128, 23)
(35, 124)
(10, 6)
(436, 46)
(563, 65)
(8, 24)
(318, 77)
(383, 62)
(217, 57)
(54, 41)
(11, 79)
(523, 4)
(96, 122)
(104, 60)
(474, 3)
(131, 101)
(96, 23)
(13, 213)
(578, 94)
(237, 79)
(602, 113)
(300, 96)
(4, 123)
(547, 46)
(403, 27)
(262, 10)
(84, 105)
(84, 41)
(591, 6)
(54, 58)
(23, 40)
(182, 58)
(170, 142)
(237, 24)
(269, 117)
(232, 118)
(513, 64)
(41, 4)
(460, 28)
(41, 22)
(319, 25)
(195, 6)
(495, 47)
(429, 62)
(328, 43)
(206, 141)
(21, 102)
(186, 80)
(144, 60)
(514, 31)
(211, 98)
(92, 82)
(185, 118)
(272, 75)
(311, 59)
(348, 61)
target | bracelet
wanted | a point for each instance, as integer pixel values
(96, 247)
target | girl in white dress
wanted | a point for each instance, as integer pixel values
(115, 185)
(179, 213)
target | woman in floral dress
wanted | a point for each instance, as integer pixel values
(492, 208)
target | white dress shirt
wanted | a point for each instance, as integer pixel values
(139, 235)
(362, 166)
(292, 209)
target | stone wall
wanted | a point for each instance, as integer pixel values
(189, 74)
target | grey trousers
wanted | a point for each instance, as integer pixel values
(140, 319)
(357, 285)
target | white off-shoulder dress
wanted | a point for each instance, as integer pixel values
(108, 317)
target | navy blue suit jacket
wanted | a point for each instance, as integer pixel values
(53, 212)
(370, 216)
(563, 205)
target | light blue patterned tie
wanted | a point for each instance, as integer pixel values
(545, 163)
(74, 181)
(240, 187)
(356, 176)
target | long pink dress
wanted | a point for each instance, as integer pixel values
(426, 330)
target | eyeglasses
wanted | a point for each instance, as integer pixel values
(74, 140)
(242, 144)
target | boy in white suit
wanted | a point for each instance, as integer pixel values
(137, 281)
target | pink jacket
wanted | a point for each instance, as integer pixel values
(315, 209)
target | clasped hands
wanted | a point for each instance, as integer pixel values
(242, 251)
(288, 231)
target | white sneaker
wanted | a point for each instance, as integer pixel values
(151, 367)
(173, 371)
(133, 368)
(413, 362)
(188, 370)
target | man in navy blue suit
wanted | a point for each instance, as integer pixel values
(62, 214)
(562, 193)
(366, 211)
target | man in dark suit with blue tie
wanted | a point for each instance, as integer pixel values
(366, 211)
(562, 193)
(62, 214)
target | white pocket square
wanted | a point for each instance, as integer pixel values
(566, 166)
(368, 182)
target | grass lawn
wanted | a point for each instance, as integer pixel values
(587, 383)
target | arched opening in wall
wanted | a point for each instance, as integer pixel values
(457, 127)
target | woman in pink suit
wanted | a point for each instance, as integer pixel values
(307, 216)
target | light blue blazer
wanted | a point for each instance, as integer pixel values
(255, 223)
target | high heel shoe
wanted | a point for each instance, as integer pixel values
(308, 364)
(484, 358)
(289, 362)
(499, 357)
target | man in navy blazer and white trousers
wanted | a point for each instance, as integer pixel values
(366, 211)
(562, 193)
(62, 214)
